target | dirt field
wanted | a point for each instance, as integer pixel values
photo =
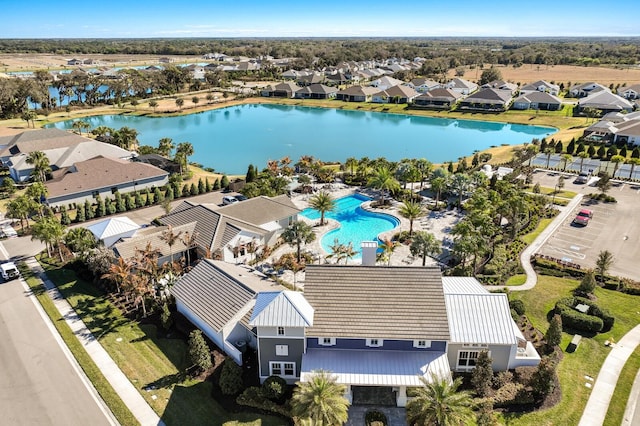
(25, 62)
(562, 73)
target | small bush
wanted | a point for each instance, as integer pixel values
(274, 388)
(502, 378)
(595, 320)
(231, 378)
(375, 417)
(518, 306)
(252, 397)
(507, 394)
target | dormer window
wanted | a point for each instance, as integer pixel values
(280, 331)
(421, 343)
(327, 341)
(374, 343)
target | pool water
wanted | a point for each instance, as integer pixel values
(356, 224)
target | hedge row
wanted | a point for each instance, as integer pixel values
(595, 320)
(254, 397)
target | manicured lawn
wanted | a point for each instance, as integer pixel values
(517, 280)
(560, 194)
(615, 413)
(154, 365)
(586, 360)
(531, 236)
(108, 395)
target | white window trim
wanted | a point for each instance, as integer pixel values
(426, 345)
(321, 341)
(475, 345)
(468, 367)
(282, 350)
(372, 344)
(281, 365)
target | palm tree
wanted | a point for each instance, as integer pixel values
(351, 163)
(424, 167)
(616, 160)
(349, 252)
(634, 162)
(118, 273)
(582, 155)
(439, 403)
(40, 163)
(388, 246)
(411, 210)
(19, 208)
(424, 244)
(324, 203)
(548, 151)
(438, 184)
(320, 400)
(179, 102)
(336, 251)
(49, 231)
(460, 183)
(189, 241)
(170, 237)
(80, 125)
(184, 150)
(603, 263)
(80, 240)
(153, 104)
(565, 159)
(383, 180)
(165, 146)
(296, 234)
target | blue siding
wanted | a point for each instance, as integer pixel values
(391, 345)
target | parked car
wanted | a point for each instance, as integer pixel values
(583, 177)
(240, 197)
(583, 217)
(228, 199)
(9, 271)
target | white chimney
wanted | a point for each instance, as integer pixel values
(369, 249)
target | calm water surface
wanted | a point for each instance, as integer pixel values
(231, 138)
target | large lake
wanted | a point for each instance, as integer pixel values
(231, 138)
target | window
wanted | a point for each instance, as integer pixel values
(280, 331)
(282, 350)
(374, 343)
(327, 341)
(283, 369)
(467, 359)
(422, 343)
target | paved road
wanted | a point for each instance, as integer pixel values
(38, 385)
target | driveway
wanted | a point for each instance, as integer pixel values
(614, 227)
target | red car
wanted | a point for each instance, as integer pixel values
(583, 217)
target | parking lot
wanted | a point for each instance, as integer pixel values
(614, 227)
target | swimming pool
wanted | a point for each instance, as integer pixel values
(356, 223)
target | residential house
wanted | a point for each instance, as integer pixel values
(74, 61)
(62, 149)
(308, 80)
(356, 94)
(127, 247)
(423, 85)
(461, 86)
(286, 89)
(540, 86)
(385, 82)
(627, 132)
(316, 91)
(501, 85)
(605, 101)
(159, 161)
(630, 92)
(395, 94)
(437, 99)
(227, 231)
(109, 231)
(487, 100)
(538, 101)
(85, 180)
(370, 326)
(585, 89)
(336, 79)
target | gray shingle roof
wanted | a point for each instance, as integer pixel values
(376, 302)
(128, 247)
(214, 296)
(39, 140)
(206, 222)
(260, 210)
(490, 96)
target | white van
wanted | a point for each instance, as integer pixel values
(9, 271)
(229, 199)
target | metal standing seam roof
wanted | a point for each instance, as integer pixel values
(462, 285)
(480, 318)
(112, 227)
(376, 302)
(212, 295)
(376, 367)
(281, 309)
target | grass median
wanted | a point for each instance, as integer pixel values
(100, 383)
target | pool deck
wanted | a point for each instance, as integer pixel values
(437, 223)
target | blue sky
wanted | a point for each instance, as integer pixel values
(324, 18)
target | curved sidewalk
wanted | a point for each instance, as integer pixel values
(596, 409)
(525, 256)
(120, 383)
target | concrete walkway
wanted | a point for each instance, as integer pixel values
(598, 404)
(123, 387)
(525, 256)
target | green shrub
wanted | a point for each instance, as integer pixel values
(374, 417)
(595, 320)
(253, 397)
(518, 306)
(231, 378)
(274, 388)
